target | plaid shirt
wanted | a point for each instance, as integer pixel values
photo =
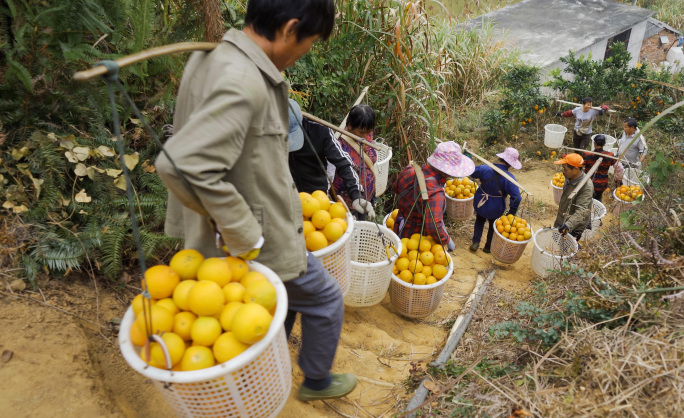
(406, 187)
(600, 178)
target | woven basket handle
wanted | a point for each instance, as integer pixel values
(421, 180)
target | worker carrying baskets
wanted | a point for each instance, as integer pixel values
(447, 160)
(574, 211)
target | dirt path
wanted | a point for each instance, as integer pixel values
(65, 367)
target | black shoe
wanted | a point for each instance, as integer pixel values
(486, 249)
(474, 246)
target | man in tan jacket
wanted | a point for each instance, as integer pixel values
(574, 214)
(231, 146)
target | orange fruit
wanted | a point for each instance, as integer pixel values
(186, 263)
(162, 320)
(308, 228)
(340, 222)
(197, 357)
(228, 314)
(420, 279)
(161, 280)
(402, 263)
(500, 228)
(148, 359)
(527, 235)
(521, 238)
(427, 271)
(333, 231)
(180, 294)
(238, 268)
(227, 347)
(216, 270)
(234, 292)
(316, 241)
(206, 298)
(439, 271)
(261, 292)
(309, 206)
(436, 248)
(425, 245)
(413, 255)
(182, 323)
(440, 258)
(169, 305)
(322, 198)
(412, 244)
(415, 265)
(205, 330)
(321, 218)
(406, 276)
(137, 304)
(337, 210)
(175, 346)
(390, 223)
(394, 214)
(137, 337)
(431, 280)
(251, 323)
(250, 277)
(427, 258)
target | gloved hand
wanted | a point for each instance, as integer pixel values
(563, 229)
(559, 114)
(364, 206)
(251, 254)
(605, 107)
(451, 245)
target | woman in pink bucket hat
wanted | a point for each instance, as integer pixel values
(447, 161)
(490, 197)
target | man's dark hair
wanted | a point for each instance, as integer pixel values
(316, 17)
(587, 100)
(361, 117)
(600, 140)
(631, 122)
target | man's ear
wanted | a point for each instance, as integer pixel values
(289, 28)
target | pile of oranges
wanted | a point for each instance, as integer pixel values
(422, 261)
(207, 311)
(513, 228)
(324, 221)
(389, 223)
(558, 180)
(460, 188)
(629, 193)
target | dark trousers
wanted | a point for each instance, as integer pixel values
(479, 228)
(580, 141)
(598, 195)
(318, 298)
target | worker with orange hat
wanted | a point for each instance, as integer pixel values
(574, 214)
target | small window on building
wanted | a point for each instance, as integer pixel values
(621, 37)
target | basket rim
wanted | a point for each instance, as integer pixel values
(250, 354)
(534, 239)
(458, 200)
(340, 242)
(554, 186)
(550, 126)
(386, 231)
(440, 282)
(515, 242)
(386, 159)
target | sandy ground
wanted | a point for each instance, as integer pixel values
(68, 366)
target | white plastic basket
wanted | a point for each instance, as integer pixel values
(384, 220)
(610, 142)
(551, 249)
(336, 257)
(635, 177)
(554, 135)
(371, 271)
(598, 211)
(620, 205)
(459, 209)
(382, 168)
(506, 250)
(256, 383)
(418, 301)
(557, 193)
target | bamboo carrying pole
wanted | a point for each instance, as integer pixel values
(586, 178)
(577, 104)
(342, 131)
(498, 170)
(590, 152)
(457, 331)
(358, 101)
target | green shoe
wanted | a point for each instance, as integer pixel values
(474, 246)
(341, 385)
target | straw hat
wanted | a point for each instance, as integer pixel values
(448, 159)
(510, 155)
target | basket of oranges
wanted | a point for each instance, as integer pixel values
(390, 219)
(460, 193)
(511, 235)
(224, 350)
(419, 276)
(557, 183)
(374, 249)
(625, 197)
(327, 229)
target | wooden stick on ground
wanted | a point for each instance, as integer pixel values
(498, 170)
(577, 104)
(586, 178)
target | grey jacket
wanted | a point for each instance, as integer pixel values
(575, 213)
(230, 142)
